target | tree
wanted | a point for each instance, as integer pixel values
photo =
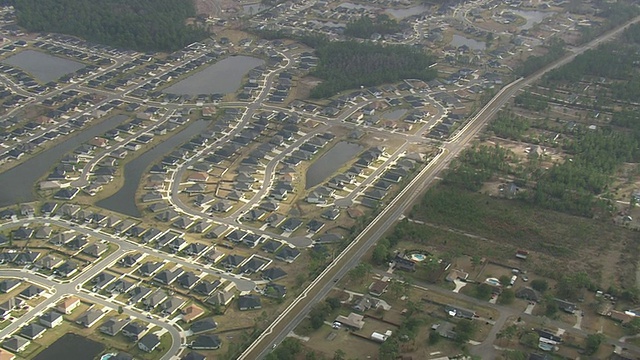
(633, 326)
(530, 338)
(551, 308)
(540, 285)
(516, 355)
(339, 355)
(334, 303)
(507, 297)
(434, 338)
(505, 280)
(593, 343)
(381, 253)
(465, 329)
(483, 291)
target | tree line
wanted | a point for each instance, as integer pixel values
(364, 27)
(533, 63)
(144, 25)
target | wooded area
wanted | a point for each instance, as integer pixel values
(365, 26)
(145, 25)
(350, 65)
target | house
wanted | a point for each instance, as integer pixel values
(67, 269)
(149, 342)
(32, 331)
(95, 249)
(122, 356)
(187, 280)
(203, 326)
(51, 319)
(22, 233)
(43, 232)
(7, 285)
(134, 330)
(273, 274)
(288, 254)
(569, 308)
(191, 313)
(221, 298)
(275, 291)
(90, 318)
(377, 288)
(130, 260)
(67, 305)
(101, 280)
(171, 305)
(149, 268)
(26, 258)
(167, 277)
(192, 355)
(31, 292)
(404, 264)
(353, 321)
(249, 302)
(119, 286)
(459, 312)
(27, 210)
(206, 342)
(155, 299)
(16, 344)
(528, 294)
(113, 326)
(7, 355)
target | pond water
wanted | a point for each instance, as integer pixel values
(400, 14)
(459, 40)
(394, 114)
(41, 66)
(331, 161)
(223, 77)
(348, 5)
(253, 9)
(533, 17)
(71, 347)
(21, 179)
(124, 200)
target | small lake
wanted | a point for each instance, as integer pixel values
(331, 161)
(533, 17)
(124, 200)
(71, 347)
(348, 5)
(41, 66)
(400, 14)
(394, 114)
(253, 9)
(223, 77)
(458, 41)
(20, 180)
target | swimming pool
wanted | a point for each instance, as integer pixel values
(418, 257)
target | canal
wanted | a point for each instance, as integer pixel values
(18, 182)
(124, 200)
(331, 161)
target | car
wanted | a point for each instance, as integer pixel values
(336, 325)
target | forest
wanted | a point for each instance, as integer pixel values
(144, 25)
(365, 26)
(350, 65)
(614, 14)
(555, 50)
